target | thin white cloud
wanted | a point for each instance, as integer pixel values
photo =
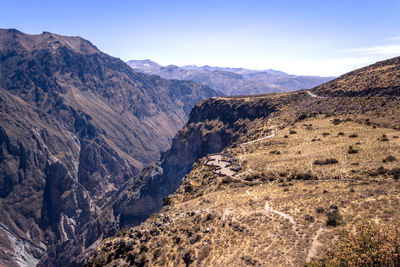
(374, 50)
(324, 67)
(394, 38)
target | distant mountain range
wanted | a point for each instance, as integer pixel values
(232, 81)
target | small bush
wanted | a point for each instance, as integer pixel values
(309, 218)
(275, 152)
(316, 139)
(325, 134)
(333, 216)
(340, 133)
(352, 150)
(326, 161)
(336, 121)
(384, 138)
(167, 201)
(286, 136)
(353, 136)
(226, 180)
(292, 132)
(389, 159)
(320, 210)
(188, 257)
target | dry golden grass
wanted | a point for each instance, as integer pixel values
(220, 221)
(298, 151)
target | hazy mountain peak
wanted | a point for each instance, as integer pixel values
(232, 81)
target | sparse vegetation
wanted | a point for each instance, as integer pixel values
(352, 150)
(275, 152)
(369, 245)
(384, 138)
(326, 161)
(291, 184)
(333, 216)
(389, 159)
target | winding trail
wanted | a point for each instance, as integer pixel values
(257, 140)
(312, 252)
(260, 139)
(280, 213)
(314, 95)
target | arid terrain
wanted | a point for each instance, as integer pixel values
(332, 164)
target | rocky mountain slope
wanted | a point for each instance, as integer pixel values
(311, 166)
(232, 81)
(76, 126)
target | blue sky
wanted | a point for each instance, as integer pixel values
(299, 37)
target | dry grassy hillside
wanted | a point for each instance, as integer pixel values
(328, 165)
(381, 78)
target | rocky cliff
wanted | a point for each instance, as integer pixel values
(214, 124)
(76, 126)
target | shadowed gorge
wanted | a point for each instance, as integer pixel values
(76, 126)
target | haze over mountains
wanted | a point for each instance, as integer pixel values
(89, 145)
(76, 125)
(232, 81)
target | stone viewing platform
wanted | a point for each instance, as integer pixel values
(224, 164)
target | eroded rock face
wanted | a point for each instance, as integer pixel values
(213, 125)
(76, 126)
